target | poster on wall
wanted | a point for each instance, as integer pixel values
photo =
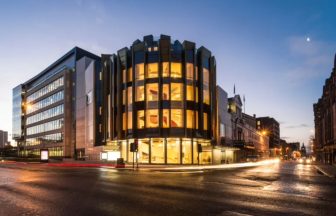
(44, 155)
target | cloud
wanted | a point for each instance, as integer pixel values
(285, 137)
(298, 126)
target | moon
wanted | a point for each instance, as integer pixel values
(308, 39)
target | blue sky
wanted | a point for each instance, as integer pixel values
(260, 46)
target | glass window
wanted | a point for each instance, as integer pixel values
(140, 93)
(124, 121)
(129, 97)
(205, 76)
(190, 119)
(206, 92)
(141, 119)
(165, 92)
(143, 151)
(195, 152)
(186, 152)
(124, 96)
(130, 75)
(176, 70)
(157, 151)
(176, 91)
(139, 71)
(173, 150)
(196, 120)
(152, 118)
(165, 118)
(190, 71)
(129, 121)
(165, 69)
(124, 75)
(130, 154)
(176, 118)
(206, 96)
(196, 94)
(190, 93)
(152, 92)
(124, 150)
(152, 70)
(205, 121)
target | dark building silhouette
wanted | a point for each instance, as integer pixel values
(325, 121)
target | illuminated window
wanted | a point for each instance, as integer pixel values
(165, 69)
(124, 75)
(190, 93)
(130, 75)
(129, 121)
(190, 71)
(186, 152)
(206, 96)
(175, 70)
(140, 93)
(190, 119)
(143, 151)
(165, 92)
(176, 91)
(139, 71)
(173, 150)
(196, 120)
(205, 121)
(129, 96)
(124, 121)
(205, 76)
(196, 94)
(152, 70)
(157, 151)
(152, 92)
(176, 118)
(206, 92)
(141, 119)
(152, 118)
(165, 118)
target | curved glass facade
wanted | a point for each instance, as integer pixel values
(159, 93)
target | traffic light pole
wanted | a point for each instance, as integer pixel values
(133, 160)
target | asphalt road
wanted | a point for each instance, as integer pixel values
(280, 189)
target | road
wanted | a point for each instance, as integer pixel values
(279, 189)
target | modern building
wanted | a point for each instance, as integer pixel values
(158, 93)
(44, 107)
(3, 138)
(325, 121)
(270, 127)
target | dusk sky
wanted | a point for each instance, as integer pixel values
(277, 53)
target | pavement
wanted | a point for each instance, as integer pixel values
(326, 169)
(285, 188)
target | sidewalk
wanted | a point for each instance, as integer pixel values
(327, 170)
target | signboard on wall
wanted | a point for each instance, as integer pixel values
(44, 155)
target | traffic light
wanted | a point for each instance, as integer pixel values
(199, 148)
(134, 146)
